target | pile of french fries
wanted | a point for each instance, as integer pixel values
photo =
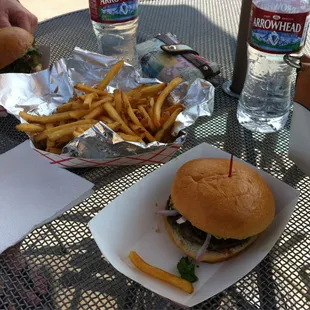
(141, 115)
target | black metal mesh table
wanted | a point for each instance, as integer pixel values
(79, 277)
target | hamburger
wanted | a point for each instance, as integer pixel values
(18, 51)
(212, 217)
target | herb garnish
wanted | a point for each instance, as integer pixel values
(186, 269)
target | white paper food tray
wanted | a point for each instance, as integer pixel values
(130, 223)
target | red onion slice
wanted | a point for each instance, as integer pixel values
(203, 248)
(181, 220)
(168, 212)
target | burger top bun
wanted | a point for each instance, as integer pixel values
(234, 207)
(14, 43)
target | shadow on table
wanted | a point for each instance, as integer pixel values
(9, 136)
(305, 277)
(85, 269)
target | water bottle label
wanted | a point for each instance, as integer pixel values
(278, 33)
(113, 11)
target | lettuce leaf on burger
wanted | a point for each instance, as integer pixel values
(18, 53)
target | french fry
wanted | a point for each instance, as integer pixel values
(137, 122)
(150, 108)
(135, 90)
(89, 99)
(71, 105)
(79, 129)
(135, 97)
(138, 114)
(164, 117)
(57, 117)
(124, 117)
(75, 124)
(142, 101)
(60, 133)
(154, 89)
(55, 150)
(134, 118)
(146, 116)
(116, 117)
(88, 89)
(77, 114)
(114, 126)
(49, 125)
(136, 128)
(81, 97)
(150, 113)
(98, 103)
(50, 144)
(105, 119)
(173, 108)
(94, 113)
(130, 137)
(159, 102)
(160, 274)
(110, 75)
(144, 122)
(30, 128)
(118, 101)
(76, 133)
(40, 137)
(30, 118)
(167, 125)
(66, 131)
(64, 107)
(77, 106)
(63, 140)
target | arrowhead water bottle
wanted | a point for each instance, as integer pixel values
(277, 27)
(115, 25)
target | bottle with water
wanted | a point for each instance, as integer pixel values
(115, 25)
(277, 27)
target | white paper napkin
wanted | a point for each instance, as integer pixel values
(33, 192)
(299, 147)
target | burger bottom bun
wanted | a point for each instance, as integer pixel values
(191, 249)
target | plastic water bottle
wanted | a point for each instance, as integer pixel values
(115, 25)
(277, 27)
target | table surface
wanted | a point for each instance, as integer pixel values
(79, 277)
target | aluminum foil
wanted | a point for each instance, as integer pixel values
(42, 92)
